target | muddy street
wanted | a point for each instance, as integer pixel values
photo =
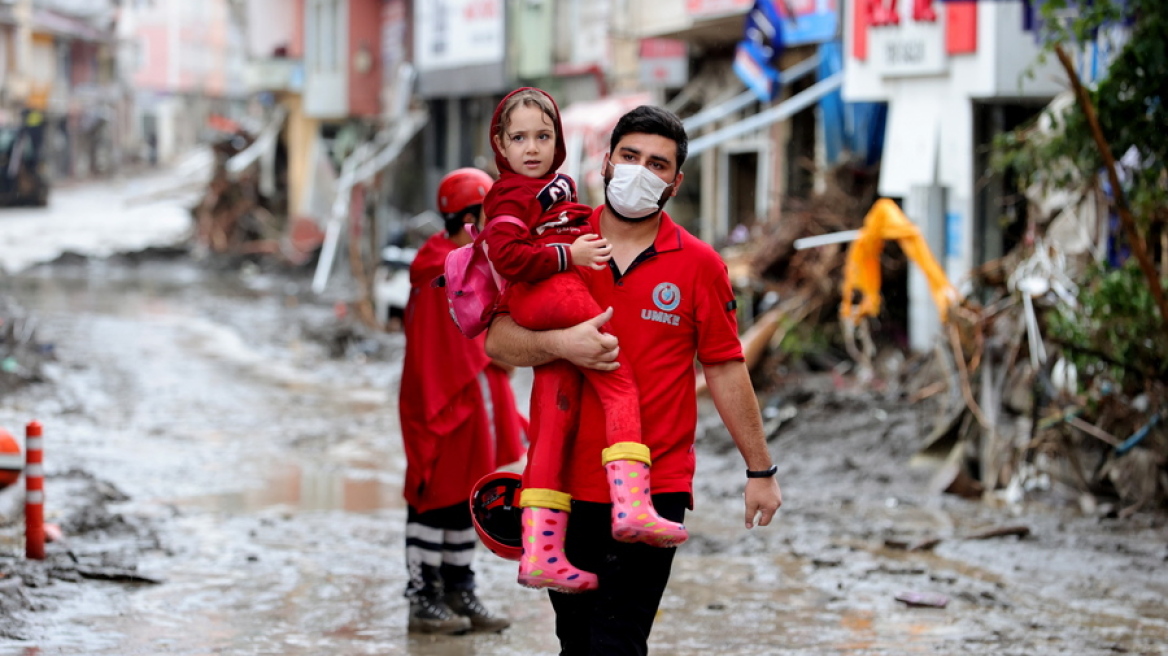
(225, 438)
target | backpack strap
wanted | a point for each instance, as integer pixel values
(500, 282)
(505, 218)
(474, 233)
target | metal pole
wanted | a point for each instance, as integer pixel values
(780, 112)
(741, 101)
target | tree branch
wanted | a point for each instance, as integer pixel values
(1135, 240)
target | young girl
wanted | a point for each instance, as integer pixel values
(547, 292)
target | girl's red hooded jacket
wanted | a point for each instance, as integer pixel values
(546, 205)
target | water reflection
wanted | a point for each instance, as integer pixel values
(306, 487)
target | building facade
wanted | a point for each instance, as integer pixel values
(744, 143)
(953, 75)
(59, 66)
(189, 64)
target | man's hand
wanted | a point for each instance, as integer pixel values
(585, 345)
(591, 251)
(763, 498)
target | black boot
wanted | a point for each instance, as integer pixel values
(468, 606)
(430, 614)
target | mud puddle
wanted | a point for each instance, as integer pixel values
(266, 473)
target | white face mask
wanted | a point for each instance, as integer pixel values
(634, 192)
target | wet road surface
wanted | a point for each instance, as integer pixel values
(271, 473)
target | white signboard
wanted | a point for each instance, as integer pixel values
(911, 48)
(453, 33)
(664, 63)
(589, 32)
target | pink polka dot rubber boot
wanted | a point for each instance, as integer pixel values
(544, 564)
(634, 519)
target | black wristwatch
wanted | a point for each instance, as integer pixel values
(763, 473)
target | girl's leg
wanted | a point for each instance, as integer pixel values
(561, 301)
(555, 407)
(634, 517)
(555, 401)
(545, 525)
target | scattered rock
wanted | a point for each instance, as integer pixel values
(926, 599)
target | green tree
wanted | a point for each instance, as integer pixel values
(1131, 99)
(1125, 112)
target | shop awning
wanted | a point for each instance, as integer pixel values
(716, 28)
(47, 21)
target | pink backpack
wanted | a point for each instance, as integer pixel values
(472, 286)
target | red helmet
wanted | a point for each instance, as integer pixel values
(462, 188)
(494, 507)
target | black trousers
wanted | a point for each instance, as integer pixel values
(439, 550)
(618, 616)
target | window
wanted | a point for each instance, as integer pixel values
(322, 35)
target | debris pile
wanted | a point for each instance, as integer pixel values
(92, 542)
(1030, 399)
(1041, 410)
(791, 297)
(234, 215)
(21, 355)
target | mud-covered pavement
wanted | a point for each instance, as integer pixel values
(225, 462)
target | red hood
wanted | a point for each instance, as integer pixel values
(561, 150)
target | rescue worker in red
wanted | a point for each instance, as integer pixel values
(669, 302)
(459, 422)
(543, 263)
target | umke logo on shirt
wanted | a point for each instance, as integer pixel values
(666, 296)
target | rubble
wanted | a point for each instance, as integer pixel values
(233, 216)
(1016, 417)
(1040, 421)
(21, 354)
(96, 543)
(923, 599)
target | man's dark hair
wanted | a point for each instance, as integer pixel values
(648, 119)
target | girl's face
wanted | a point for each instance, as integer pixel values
(529, 141)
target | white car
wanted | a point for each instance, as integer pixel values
(391, 282)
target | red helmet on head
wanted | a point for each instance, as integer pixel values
(462, 188)
(494, 507)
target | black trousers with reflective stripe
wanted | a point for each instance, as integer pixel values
(615, 619)
(439, 547)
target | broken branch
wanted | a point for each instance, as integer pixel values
(1135, 240)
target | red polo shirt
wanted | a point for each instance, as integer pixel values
(673, 305)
